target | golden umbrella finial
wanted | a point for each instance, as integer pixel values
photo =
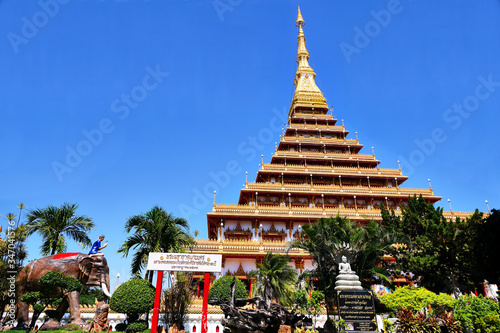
(300, 20)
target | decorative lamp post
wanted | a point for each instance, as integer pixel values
(487, 206)
(117, 280)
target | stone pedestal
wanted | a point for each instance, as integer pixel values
(347, 281)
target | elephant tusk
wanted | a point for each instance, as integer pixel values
(105, 290)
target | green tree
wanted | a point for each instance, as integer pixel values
(369, 243)
(89, 295)
(326, 239)
(154, 231)
(417, 299)
(50, 282)
(478, 314)
(54, 224)
(134, 297)
(487, 247)
(321, 240)
(436, 250)
(275, 278)
(221, 289)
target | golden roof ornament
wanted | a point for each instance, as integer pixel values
(300, 20)
(307, 93)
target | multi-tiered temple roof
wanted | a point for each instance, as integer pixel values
(315, 172)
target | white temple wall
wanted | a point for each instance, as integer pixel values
(232, 265)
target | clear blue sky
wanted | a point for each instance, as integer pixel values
(121, 105)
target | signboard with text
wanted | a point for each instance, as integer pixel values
(187, 262)
(357, 308)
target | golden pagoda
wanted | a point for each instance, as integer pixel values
(315, 172)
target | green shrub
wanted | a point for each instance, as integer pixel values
(417, 299)
(478, 314)
(121, 327)
(221, 288)
(138, 326)
(70, 327)
(134, 297)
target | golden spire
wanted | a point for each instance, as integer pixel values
(300, 20)
(307, 93)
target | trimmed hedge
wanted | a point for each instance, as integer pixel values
(416, 299)
(134, 297)
(138, 326)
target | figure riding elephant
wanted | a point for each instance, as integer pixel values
(90, 270)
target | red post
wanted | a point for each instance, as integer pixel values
(156, 308)
(206, 287)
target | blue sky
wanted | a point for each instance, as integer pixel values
(122, 105)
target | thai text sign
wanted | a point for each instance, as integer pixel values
(184, 262)
(357, 308)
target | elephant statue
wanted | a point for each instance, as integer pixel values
(90, 270)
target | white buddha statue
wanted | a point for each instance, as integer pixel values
(346, 277)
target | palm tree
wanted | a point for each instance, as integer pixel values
(321, 239)
(54, 224)
(274, 279)
(154, 231)
(326, 239)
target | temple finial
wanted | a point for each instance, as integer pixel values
(300, 20)
(307, 94)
